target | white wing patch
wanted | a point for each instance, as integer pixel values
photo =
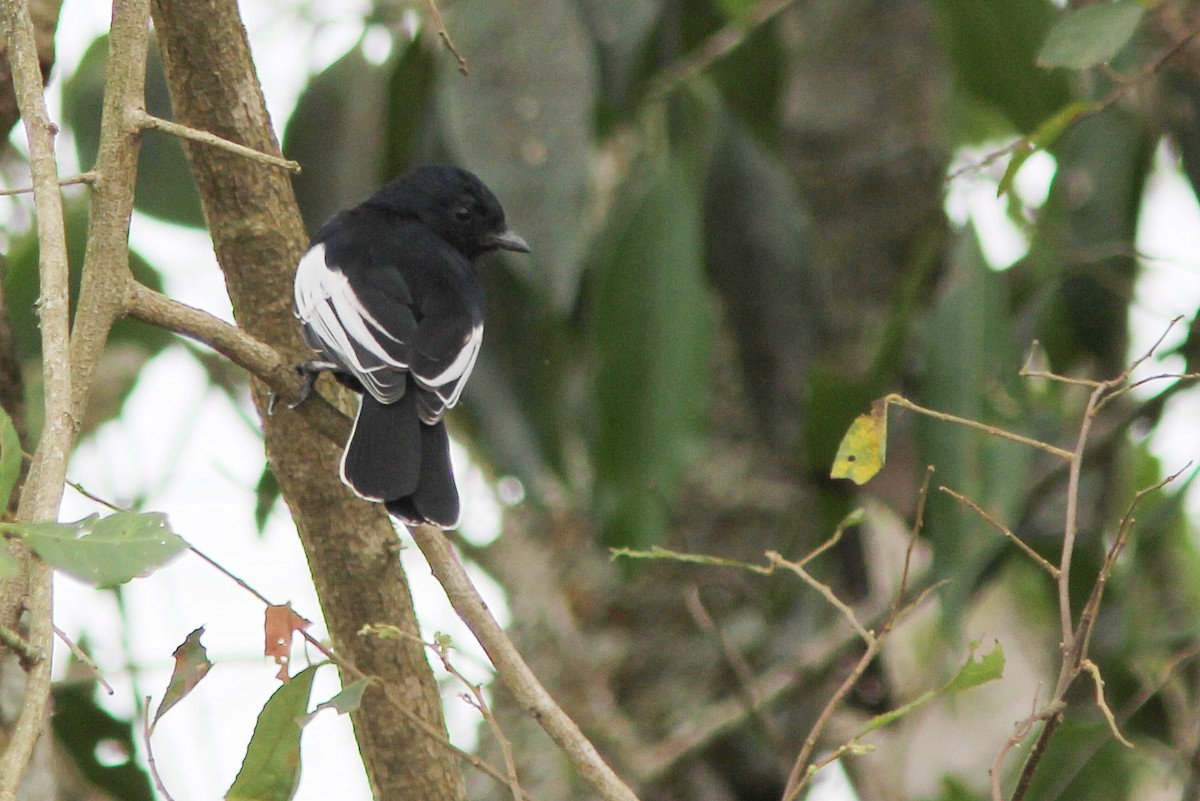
(327, 304)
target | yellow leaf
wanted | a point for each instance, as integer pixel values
(863, 451)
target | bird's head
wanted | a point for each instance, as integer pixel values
(454, 204)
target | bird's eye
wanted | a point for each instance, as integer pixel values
(462, 213)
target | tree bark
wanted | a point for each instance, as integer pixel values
(351, 545)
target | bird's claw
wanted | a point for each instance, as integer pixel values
(308, 371)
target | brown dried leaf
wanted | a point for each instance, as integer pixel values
(281, 622)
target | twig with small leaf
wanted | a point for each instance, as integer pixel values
(862, 454)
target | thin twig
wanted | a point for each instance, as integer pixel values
(737, 663)
(82, 178)
(1123, 87)
(1093, 670)
(1038, 751)
(158, 782)
(222, 569)
(476, 699)
(393, 697)
(95, 498)
(42, 491)
(714, 48)
(826, 592)
(29, 653)
(914, 533)
(804, 769)
(801, 770)
(204, 137)
(1076, 638)
(1070, 531)
(1020, 732)
(512, 669)
(84, 659)
(900, 400)
(1041, 561)
(439, 25)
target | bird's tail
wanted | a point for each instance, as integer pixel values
(435, 499)
(395, 458)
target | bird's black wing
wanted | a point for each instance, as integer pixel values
(384, 298)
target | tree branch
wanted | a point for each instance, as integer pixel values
(42, 491)
(512, 669)
(259, 359)
(259, 237)
(205, 138)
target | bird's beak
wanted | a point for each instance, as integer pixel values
(508, 240)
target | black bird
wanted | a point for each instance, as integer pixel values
(388, 297)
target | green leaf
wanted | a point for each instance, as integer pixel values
(1043, 137)
(104, 551)
(266, 494)
(348, 700)
(974, 672)
(99, 747)
(10, 459)
(651, 324)
(336, 133)
(523, 121)
(992, 46)
(409, 104)
(1091, 35)
(191, 665)
(271, 768)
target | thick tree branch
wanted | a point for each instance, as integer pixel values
(42, 491)
(259, 237)
(143, 303)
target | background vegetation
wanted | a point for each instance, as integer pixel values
(739, 219)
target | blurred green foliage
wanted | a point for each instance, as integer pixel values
(672, 312)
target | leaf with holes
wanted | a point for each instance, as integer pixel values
(863, 451)
(280, 623)
(191, 665)
(104, 551)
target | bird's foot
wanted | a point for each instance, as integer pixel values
(309, 371)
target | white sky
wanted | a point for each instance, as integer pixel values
(203, 471)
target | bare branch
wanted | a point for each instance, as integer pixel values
(84, 659)
(158, 782)
(826, 592)
(1003, 529)
(439, 25)
(900, 400)
(1094, 671)
(714, 48)
(442, 648)
(512, 669)
(1020, 732)
(42, 491)
(81, 178)
(29, 653)
(204, 137)
(741, 669)
(143, 303)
